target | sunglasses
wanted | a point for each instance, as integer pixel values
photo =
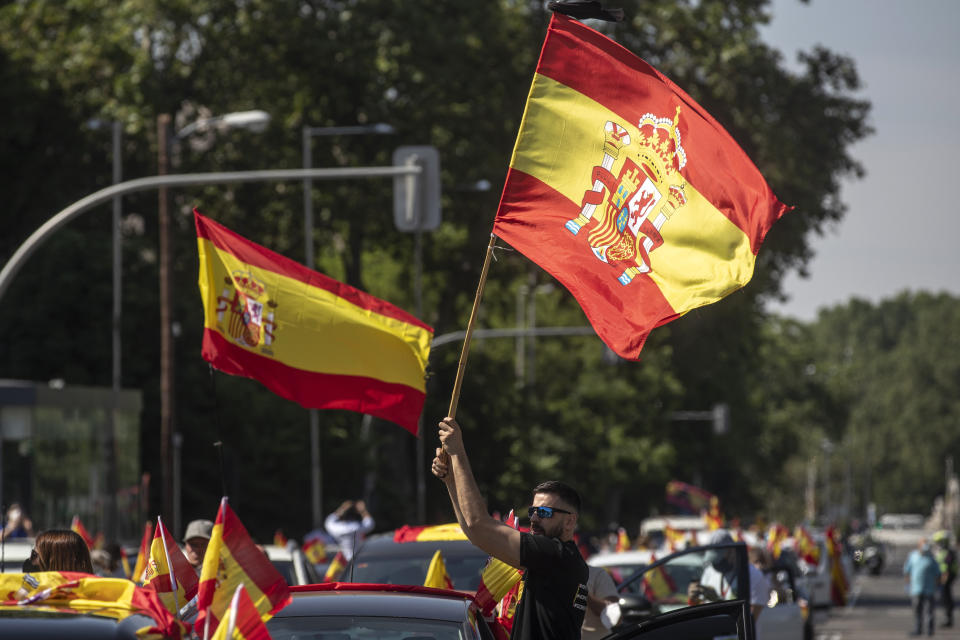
(545, 512)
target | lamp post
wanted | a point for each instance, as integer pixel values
(380, 128)
(253, 120)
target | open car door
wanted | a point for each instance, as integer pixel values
(699, 593)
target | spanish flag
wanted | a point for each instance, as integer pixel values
(838, 578)
(232, 559)
(657, 584)
(450, 531)
(623, 540)
(118, 598)
(437, 576)
(807, 549)
(627, 191)
(143, 555)
(77, 527)
(335, 568)
(168, 572)
(241, 621)
(714, 517)
(305, 336)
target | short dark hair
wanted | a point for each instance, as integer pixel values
(562, 490)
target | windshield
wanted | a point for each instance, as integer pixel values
(464, 571)
(362, 628)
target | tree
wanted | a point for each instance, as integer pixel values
(452, 75)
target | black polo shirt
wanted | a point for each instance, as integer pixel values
(554, 590)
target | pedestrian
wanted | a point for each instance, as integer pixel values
(554, 598)
(17, 524)
(603, 609)
(59, 550)
(195, 541)
(923, 574)
(946, 558)
(348, 525)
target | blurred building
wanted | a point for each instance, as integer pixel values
(54, 454)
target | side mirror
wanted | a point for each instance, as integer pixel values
(635, 608)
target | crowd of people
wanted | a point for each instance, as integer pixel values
(563, 597)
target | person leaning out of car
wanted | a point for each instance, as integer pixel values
(555, 575)
(59, 550)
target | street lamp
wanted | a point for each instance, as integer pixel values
(255, 121)
(379, 128)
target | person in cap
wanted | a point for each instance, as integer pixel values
(719, 578)
(195, 541)
(947, 559)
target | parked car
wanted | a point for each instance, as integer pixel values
(381, 560)
(337, 611)
(292, 565)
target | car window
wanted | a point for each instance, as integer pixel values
(697, 575)
(363, 628)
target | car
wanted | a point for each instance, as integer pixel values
(292, 564)
(815, 579)
(49, 606)
(658, 583)
(13, 553)
(339, 611)
(383, 560)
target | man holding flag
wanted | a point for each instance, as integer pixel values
(555, 576)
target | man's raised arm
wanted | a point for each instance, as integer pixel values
(453, 467)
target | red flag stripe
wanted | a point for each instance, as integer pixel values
(353, 393)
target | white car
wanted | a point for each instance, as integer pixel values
(292, 565)
(13, 552)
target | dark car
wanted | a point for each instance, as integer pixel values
(339, 611)
(381, 560)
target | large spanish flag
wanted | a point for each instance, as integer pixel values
(627, 191)
(65, 591)
(305, 336)
(232, 559)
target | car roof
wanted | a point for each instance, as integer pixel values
(392, 601)
(620, 558)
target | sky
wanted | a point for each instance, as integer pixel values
(902, 226)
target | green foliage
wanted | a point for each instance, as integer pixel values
(449, 74)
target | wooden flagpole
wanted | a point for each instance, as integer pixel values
(455, 398)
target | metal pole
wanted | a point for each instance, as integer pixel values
(110, 527)
(166, 339)
(418, 304)
(316, 475)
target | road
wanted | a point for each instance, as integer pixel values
(879, 608)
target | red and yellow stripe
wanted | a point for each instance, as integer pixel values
(331, 346)
(709, 245)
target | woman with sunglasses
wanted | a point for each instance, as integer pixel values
(554, 574)
(59, 550)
